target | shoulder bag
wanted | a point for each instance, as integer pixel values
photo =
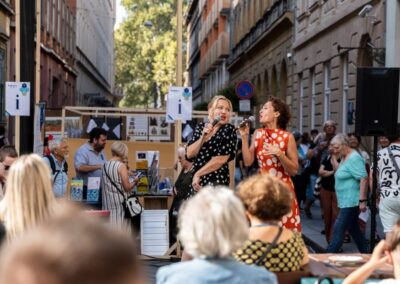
(273, 245)
(131, 204)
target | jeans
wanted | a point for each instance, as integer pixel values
(347, 220)
(310, 188)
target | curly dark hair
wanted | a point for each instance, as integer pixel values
(284, 111)
(265, 197)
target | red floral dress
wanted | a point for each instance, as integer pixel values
(271, 164)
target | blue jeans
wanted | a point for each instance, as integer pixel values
(310, 187)
(347, 220)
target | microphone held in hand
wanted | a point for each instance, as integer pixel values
(250, 119)
(216, 120)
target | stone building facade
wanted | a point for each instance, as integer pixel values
(331, 41)
(262, 38)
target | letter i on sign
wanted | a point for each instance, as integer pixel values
(17, 102)
(180, 106)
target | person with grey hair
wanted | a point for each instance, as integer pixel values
(212, 226)
(351, 192)
(115, 185)
(58, 165)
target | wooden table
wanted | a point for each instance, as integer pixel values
(319, 265)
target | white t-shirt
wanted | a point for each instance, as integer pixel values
(388, 178)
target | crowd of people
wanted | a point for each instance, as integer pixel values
(249, 234)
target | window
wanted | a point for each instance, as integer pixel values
(327, 90)
(313, 97)
(345, 94)
(301, 102)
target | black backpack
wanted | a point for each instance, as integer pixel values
(54, 171)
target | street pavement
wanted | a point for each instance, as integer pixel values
(315, 241)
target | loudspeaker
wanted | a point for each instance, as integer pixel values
(377, 101)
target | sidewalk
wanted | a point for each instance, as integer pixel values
(311, 230)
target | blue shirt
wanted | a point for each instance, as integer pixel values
(347, 180)
(86, 155)
(201, 271)
(61, 178)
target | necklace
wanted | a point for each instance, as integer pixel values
(267, 224)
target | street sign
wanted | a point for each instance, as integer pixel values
(18, 97)
(179, 104)
(244, 90)
(244, 105)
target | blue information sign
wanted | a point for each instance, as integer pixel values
(244, 90)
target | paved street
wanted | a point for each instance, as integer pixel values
(312, 228)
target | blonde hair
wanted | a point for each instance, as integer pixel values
(214, 102)
(265, 197)
(29, 197)
(212, 223)
(119, 149)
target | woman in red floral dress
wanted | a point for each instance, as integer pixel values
(276, 151)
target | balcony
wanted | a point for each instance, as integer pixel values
(224, 7)
(263, 27)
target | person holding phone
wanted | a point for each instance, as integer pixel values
(116, 185)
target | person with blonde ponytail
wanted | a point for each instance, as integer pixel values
(29, 199)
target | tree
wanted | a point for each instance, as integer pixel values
(145, 54)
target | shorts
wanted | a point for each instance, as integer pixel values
(389, 211)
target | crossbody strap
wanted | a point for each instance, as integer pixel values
(113, 183)
(273, 244)
(393, 161)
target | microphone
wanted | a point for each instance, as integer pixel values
(250, 119)
(216, 120)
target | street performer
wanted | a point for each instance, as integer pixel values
(213, 146)
(276, 151)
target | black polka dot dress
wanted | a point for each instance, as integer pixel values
(222, 143)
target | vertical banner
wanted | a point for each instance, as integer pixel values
(179, 104)
(18, 96)
(38, 128)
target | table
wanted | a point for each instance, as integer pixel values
(319, 265)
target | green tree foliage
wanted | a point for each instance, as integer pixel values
(145, 55)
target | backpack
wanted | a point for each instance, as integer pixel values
(54, 171)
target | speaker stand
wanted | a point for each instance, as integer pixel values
(373, 193)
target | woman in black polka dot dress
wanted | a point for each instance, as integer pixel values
(212, 147)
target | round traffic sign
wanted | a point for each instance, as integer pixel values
(244, 90)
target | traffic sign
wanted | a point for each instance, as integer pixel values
(244, 90)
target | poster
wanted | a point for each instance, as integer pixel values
(179, 104)
(38, 139)
(18, 97)
(146, 128)
(72, 127)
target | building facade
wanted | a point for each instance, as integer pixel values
(193, 26)
(332, 39)
(262, 38)
(95, 52)
(213, 40)
(57, 59)
(6, 12)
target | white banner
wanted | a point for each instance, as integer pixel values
(179, 104)
(18, 96)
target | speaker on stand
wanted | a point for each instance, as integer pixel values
(376, 115)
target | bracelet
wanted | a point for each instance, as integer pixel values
(362, 200)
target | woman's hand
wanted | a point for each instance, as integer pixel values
(196, 182)
(274, 149)
(244, 131)
(379, 255)
(207, 129)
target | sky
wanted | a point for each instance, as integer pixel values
(121, 14)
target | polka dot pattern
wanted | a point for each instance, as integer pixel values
(286, 257)
(222, 143)
(271, 165)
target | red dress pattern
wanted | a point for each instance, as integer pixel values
(271, 164)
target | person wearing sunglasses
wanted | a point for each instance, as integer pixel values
(8, 154)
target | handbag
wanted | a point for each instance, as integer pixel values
(317, 187)
(273, 245)
(131, 204)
